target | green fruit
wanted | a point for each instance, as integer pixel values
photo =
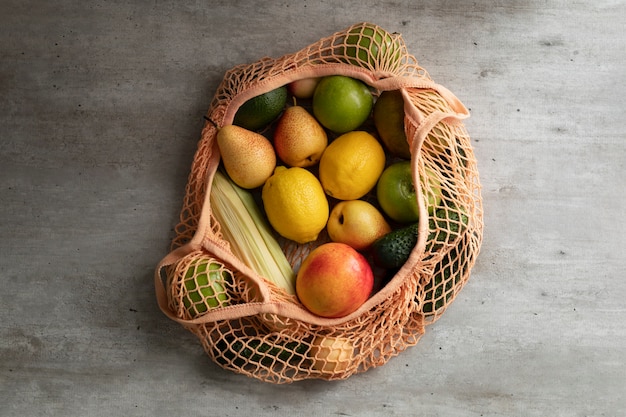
(389, 120)
(393, 249)
(396, 193)
(260, 111)
(342, 103)
(397, 196)
(439, 290)
(446, 227)
(256, 351)
(447, 274)
(205, 287)
(372, 44)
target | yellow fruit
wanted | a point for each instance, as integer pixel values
(299, 139)
(248, 156)
(259, 111)
(331, 355)
(295, 204)
(389, 120)
(356, 223)
(351, 165)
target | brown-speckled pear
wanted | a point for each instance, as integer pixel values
(248, 157)
(299, 139)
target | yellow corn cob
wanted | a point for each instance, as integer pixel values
(249, 233)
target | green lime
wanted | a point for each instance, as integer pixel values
(259, 111)
(371, 44)
(206, 287)
(342, 103)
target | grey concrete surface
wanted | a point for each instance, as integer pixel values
(101, 106)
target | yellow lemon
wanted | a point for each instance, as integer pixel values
(295, 204)
(351, 165)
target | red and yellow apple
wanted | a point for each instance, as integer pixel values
(334, 280)
(304, 87)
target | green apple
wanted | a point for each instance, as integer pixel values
(342, 103)
(205, 286)
(397, 196)
(432, 193)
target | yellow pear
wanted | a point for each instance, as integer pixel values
(299, 139)
(248, 157)
(356, 223)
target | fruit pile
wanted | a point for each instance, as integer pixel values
(331, 167)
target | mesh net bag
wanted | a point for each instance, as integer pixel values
(247, 324)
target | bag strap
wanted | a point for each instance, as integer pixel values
(159, 285)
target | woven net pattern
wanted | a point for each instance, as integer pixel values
(248, 325)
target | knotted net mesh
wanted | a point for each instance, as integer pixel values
(250, 326)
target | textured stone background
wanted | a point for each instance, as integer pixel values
(101, 106)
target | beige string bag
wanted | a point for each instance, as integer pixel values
(266, 333)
